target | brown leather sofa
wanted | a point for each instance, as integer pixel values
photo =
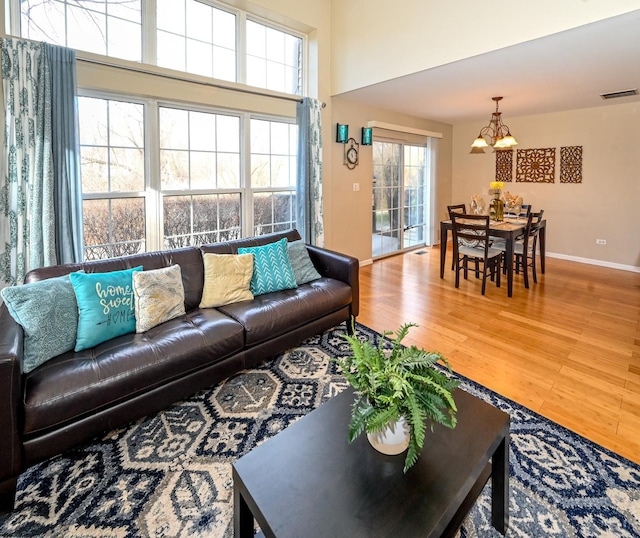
(78, 395)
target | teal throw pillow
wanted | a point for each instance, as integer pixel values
(272, 269)
(48, 313)
(302, 265)
(105, 304)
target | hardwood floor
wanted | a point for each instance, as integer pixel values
(567, 348)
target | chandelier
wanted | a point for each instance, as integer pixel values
(495, 134)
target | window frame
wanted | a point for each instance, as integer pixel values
(153, 195)
(149, 43)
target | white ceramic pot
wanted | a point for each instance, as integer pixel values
(392, 440)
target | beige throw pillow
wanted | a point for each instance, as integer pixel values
(226, 279)
(159, 296)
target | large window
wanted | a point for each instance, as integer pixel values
(193, 36)
(199, 177)
(113, 177)
(189, 184)
(273, 175)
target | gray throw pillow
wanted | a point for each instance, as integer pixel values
(48, 313)
(302, 265)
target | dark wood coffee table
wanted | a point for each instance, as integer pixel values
(308, 481)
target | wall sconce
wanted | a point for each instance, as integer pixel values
(342, 133)
(367, 136)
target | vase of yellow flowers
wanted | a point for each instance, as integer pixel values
(496, 210)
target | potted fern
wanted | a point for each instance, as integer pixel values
(398, 389)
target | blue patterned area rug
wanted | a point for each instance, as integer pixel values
(170, 474)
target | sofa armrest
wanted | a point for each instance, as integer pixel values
(341, 267)
(11, 349)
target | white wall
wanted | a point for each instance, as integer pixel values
(377, 40)
(603, 206)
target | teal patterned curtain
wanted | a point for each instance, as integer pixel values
(27, 228)
(309, 220)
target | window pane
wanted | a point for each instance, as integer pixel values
(174, 128)
(93, 121)
(224, 64)
(177, 221)
(279, 138)
(113, 227)
(224, 29)
(171, 51)
(127, 170)
(126, 127)
(203, 170)
(260, 171)
(228, 170)
(95, 169)
(199, 21)
(130, 48)
(170, 15)
(174, 170)
(125, 9)
(228, 133)
(202, 131)
(86, 30)
(199, 58)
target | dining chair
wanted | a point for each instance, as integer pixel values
(531, 246)
(471, 243)
(524, 248)
(523, 212)
(459, 208)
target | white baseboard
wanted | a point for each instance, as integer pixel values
(590, 261)
(366, 262)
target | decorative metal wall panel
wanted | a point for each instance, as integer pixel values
(571, 164)
(536, 165)
(504, 165)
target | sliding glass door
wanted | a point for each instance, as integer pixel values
(400, 189)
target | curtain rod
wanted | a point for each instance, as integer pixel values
(192, 81)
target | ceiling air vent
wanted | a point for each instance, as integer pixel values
(623, 93)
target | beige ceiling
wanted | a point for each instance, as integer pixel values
(564, 71)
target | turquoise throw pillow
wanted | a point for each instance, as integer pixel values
(272, 269)
(105, 304)
(48, 313)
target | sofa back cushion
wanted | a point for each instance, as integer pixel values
(189, 259)
(231, 247)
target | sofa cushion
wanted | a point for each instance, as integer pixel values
(74, 385)
(159, 296)
(272, 269)
(48, 313)
(301, 263)
(105, 306)
(226, 279)
(273, 314)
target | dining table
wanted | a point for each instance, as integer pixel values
(507, 229)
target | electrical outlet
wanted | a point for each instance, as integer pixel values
(356, 187)
(601, 241)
